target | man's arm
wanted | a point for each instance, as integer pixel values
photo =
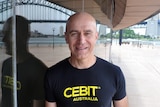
(121, 103)
(38, 103)
(50, 104)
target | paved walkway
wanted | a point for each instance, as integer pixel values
(141, 67)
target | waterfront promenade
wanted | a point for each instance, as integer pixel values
(141, 67)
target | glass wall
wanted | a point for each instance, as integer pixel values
(6, 52)
(28, 48)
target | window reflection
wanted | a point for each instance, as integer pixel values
(30, 70)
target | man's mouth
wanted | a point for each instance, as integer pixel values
(81, 48)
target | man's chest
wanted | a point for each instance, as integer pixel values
(91, 89)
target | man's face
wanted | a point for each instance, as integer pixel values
(81, 36)
(7, 38)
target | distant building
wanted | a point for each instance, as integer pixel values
(139, 29)
(61, 31)
(153, 27)
(103, 29)
(150, 27)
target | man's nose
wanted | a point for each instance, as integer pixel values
(82, 38)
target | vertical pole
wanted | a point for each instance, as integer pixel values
(14, 61)
(53, 37)
(120, 36)
(111, 32)
(82, 5)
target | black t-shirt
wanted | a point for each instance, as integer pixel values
(30, 82)
(96, 86)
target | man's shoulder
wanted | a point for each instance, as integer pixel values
(34, 60)
(59, 65)
(57, 70)
(7, 61)
(107, 65)
(105, 62)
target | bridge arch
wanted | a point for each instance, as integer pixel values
(38, 6)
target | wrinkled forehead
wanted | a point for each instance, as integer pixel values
(82, 26)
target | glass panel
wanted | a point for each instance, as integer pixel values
(39, 45)
(5, 54)
(139, 58)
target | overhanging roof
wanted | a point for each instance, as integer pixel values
(117, 14)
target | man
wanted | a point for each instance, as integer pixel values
(30, 70)
(83, 79)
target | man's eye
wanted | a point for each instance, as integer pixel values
(74, 34)
(88, 34)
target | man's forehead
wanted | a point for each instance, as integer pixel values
(81, 28)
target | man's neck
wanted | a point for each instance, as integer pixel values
(82, 63)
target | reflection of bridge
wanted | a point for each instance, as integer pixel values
(35, 11)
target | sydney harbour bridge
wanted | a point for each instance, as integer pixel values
(34, 11)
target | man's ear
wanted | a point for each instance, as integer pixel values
(65, 35)
(97, 35)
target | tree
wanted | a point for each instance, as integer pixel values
(128, 33)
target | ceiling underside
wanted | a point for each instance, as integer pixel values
(117, 14)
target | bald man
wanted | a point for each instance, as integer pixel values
(83, 79)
